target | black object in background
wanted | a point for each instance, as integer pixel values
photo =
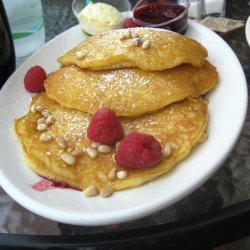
(7, 53)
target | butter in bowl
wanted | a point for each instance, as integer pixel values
(98, 16)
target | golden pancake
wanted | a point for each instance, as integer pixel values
(181, 125)
(128, 92)
(145, 48)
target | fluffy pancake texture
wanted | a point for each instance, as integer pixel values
(112, 49)
(182, 125)
(128, 92)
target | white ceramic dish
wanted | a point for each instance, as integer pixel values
(247, 30)
(227, 108)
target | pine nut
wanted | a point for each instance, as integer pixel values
(68, 159)
(49, 120)
(117, 144)
(106, 192)
(113, 158)
(38, 108)
(33, 108)
(167, 150)
(77, 152)
(60, 141)
(91, 152)
(45, 113)
(136, 41)
(128, 34)
(145, 44)
(41, 120)
(121, 174)
(95, 145)
(112, 174)
(91, 191)
(80, 54)
(45, 137)
(104, 149)
(41, 127)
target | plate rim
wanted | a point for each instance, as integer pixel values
(247, 30)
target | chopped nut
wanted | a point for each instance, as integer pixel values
(60, 141)
(121, 174)
(45, 137)
(67, 158)
(106, 192)
(167, 150)
(80, 54)
(77, 152)
(145, 44)
(41, 120)
(41, 127)
(91, 152)
(104, 149)
(95, 145)
(91, 191)
(112, 174)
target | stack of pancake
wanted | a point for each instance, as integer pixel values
(153, 80)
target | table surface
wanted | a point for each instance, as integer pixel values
(229, 186)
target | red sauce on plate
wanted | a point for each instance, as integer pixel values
(45, 185)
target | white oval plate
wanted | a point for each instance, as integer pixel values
(227, 108)
(247, 30)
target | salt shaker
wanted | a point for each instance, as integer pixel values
(214, 8)
(195, 9)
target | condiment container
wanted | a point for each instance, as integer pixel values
(195, 9)
(165, 14)
(98, 16)
(214, 8)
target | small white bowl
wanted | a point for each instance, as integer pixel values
(90, 27)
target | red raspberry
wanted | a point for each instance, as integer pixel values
(138, 151)
(34, 79)
(105, 127)
(129, 23)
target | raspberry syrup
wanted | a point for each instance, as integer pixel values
(160, 15)
(46, 184)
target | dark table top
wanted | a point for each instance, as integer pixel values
(209, 211)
